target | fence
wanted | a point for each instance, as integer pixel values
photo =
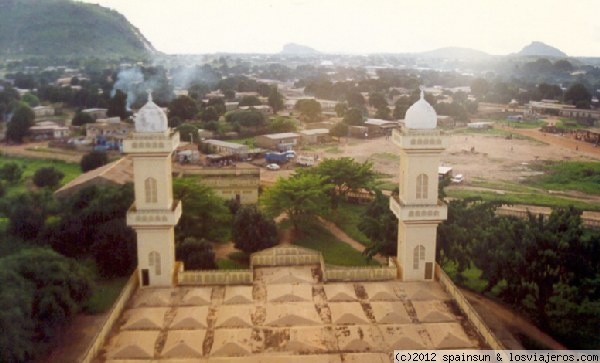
(113, 316)
(361, 273)
(215, 277)
(468, 310)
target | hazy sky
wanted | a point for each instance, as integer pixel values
(363, 26)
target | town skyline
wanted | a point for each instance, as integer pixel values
(381, 26)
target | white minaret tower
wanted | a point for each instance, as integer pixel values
(154, 213)
(417, 207)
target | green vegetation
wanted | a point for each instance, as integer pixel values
(347, 218)
(559, 175)
(536, 124)
(106, 292)
(67, 28)
(30, 166)
(545, 200)
(335, 252)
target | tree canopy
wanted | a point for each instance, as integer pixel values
(353, 117)
(309, 109)
(195, 254)
(275, 100)
(301, 197)
(93, 160)
(20, 122)
(252, 230)
(183, 107)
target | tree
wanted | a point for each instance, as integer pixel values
(22, 119)
(47, 177)
(282, 124)
(380, 225)
(341, 108)
(355, 100)
(204, 214)
(249, 101)
(114, 248)
(93, 160)
(196, 254)
(339, 130)
(301, 197)
(377, 100)
(31, 100)
(383, 113)
(27, 213)
(11, 172)
(16, 299)
(188, 132)
(275, 100)
(60, 287)
(479, 88)
(209, 114)
(81, 118)
(183, 107)
(353, 117)
(309, 109)
(401, 106)
(344, 175)
(84, 223)
(252, 231)
(578, 95)
(118, 106)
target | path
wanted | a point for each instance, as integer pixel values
(505, 323)
(29, 150)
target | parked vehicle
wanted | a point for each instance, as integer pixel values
(273, 157)
(273, 166)
(304, 160)
(458, 178)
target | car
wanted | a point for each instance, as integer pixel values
(458, 178)
(273, 166)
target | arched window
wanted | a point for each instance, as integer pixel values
(422, 181)
(150, 190)
(418, 255)
(154, 261)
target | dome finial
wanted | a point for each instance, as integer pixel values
(149, 91)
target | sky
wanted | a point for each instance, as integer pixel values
(363, 26)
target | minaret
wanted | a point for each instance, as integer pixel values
(154, 213)
(417, 207)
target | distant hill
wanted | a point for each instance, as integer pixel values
(65, 28)
(454, 53)
(292, 48)
(541, 49)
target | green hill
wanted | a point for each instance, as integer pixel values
(67, 28)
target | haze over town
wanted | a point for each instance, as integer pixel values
(387, 26)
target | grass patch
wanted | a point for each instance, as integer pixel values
(523, 124)
(335, 252)
(543, 200)
(105, 294)
(347, 218)
(333, 150)
(386, 156)
(568, 175)
(30, 165)
(228, 264)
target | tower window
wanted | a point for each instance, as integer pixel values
(154, 261)
(418, 255)
(422, 182)
(150, 190)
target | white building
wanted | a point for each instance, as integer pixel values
(154, 212)
(417, 207)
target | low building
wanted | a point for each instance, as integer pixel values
(480, 125)
(108, 130)
(48, 130)
(96, 113)
(229, 149)
(546, 107)
(361, 132)
(379, 127)
(280, 141)
(590, 117)
(231, 106)
(43, 111)
(446, 121)
(264, 109)
(315, 136)
(239, 182)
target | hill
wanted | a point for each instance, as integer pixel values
(541, 49)
(297, 49)
(66, 28)
(454, 53)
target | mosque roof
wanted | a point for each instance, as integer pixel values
(151, 118)
(421, 115)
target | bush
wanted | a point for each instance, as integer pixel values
(47, 177)
(196, 254)
(93, 160)
(11, 172)
(252, 231)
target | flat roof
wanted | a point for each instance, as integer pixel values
(282, 135)
(231, 145)
(380, 122)
(315, 132)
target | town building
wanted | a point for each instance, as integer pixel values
(96, 113)
(378, 127)
(280, 141)
(264, 109)
(227, 149)
(111, 128)
(43, 111)
(315, 136)
(48, 130)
